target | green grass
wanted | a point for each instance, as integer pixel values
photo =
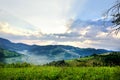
(88, 68)
(60, 73)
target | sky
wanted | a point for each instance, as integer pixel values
(57, 22)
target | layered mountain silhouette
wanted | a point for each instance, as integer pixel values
(49, 52)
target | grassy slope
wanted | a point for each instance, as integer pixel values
(111, 59)
(60, 73)
(67, 70)
(7, 54)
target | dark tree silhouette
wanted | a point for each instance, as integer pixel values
(114, 14)
(1, 54)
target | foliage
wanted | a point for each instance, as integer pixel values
(114, 13)
(112, 59)
(76, 69)
(108, 59)
(15, 65)
(60, 73)
(6, 53)
(1, 55)
(58, 63)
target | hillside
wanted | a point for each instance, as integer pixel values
(4, 54)
(50, 52)
(107, 59)
(104, 67)
(7, 54)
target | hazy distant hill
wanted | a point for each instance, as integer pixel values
(51, 52)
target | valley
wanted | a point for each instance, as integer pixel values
(35, 54)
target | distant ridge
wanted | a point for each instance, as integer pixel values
(48, 49)
(36, 53)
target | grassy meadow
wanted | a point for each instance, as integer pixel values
(60, 73)
(95, 67)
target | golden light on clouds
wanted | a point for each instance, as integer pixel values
(8, 29)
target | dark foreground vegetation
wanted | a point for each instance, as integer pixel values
(107, 59)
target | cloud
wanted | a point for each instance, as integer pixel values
(90, 34)
(48, 15)
(6, 30)
(55, 22)
(95, 34)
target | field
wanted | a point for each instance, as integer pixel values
(60, 73)
(95, 67)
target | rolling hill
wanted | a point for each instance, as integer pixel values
(7, 54)
(48, 53)
(106, 59)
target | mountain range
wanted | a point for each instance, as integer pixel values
(44, 54)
